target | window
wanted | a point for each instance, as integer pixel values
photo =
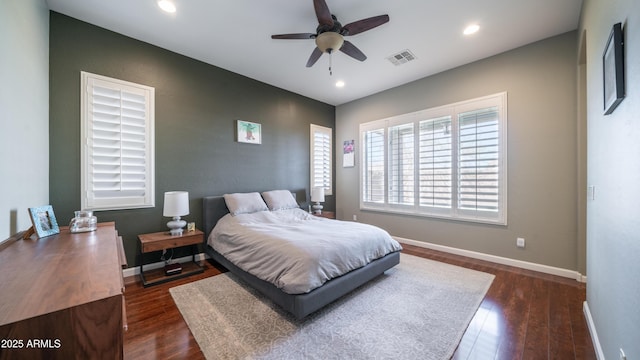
(447, 162)
(117, 125)
(321, 164)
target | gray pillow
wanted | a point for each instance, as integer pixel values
(279, 200)
(244, 203)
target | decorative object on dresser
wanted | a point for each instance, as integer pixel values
(44, 222)
(64, 291)
(83, 221)
(176, 204)
(164, 241)
(317, 196)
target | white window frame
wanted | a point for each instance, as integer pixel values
(323, 153)
(386, 203)
(131, 170)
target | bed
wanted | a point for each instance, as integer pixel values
(295, 300)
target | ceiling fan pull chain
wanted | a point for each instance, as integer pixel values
(330, 62)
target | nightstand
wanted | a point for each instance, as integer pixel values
(327, 214)
(163, 241)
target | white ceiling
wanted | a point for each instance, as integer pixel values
(236, 35)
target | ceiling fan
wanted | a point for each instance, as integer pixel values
(329, 35)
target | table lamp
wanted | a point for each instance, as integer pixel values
(176, 204)
(317, 196)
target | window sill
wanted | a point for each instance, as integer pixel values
(463, 219)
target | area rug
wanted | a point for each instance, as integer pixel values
(416, 310)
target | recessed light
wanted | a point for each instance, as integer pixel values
(167, 6)
(340, 84)
(471, 29)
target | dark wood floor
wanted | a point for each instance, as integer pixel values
(525, 315)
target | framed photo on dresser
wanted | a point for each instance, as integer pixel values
(44, 221)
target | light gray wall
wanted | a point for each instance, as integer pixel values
(540, 80)
(613, 217)
(24, 112)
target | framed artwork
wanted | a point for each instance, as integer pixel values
(249, 132)
(613, 70)
(44, 221)
(348, 153)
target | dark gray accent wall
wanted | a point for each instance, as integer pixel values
(197, 105)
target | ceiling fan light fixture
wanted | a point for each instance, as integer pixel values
(329, 41)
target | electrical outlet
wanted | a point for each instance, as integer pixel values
(355, 217)
(520, 242)
(622, 355)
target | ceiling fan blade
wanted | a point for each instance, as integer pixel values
(322, 12)
(351, 50)
(363, 25)
(315, 55)
(294, 36)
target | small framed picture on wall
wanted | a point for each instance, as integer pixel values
(348, 153)
(249, 132)
(613, 70)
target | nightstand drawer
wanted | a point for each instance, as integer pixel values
(163, 240)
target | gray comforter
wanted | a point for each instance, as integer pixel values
(296, 251)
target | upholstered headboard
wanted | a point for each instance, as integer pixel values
(213, 208)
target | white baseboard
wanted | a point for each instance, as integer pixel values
(592, 331)
(133, 271)
(572, 274)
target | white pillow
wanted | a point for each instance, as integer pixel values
(279, 200)
(244, 203)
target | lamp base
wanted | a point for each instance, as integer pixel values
(176, 226)
(317, 208)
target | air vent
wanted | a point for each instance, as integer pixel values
(402, 57)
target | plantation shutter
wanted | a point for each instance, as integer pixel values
(373, 181)
(321, 163)
(478, 160)
(435, 166)
(400, 163)
(117, 151)
(445, 162)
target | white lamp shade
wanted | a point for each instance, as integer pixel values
(176, 203)
(317, 194)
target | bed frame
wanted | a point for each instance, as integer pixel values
(299, 305)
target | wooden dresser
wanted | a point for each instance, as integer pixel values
(61, 297)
